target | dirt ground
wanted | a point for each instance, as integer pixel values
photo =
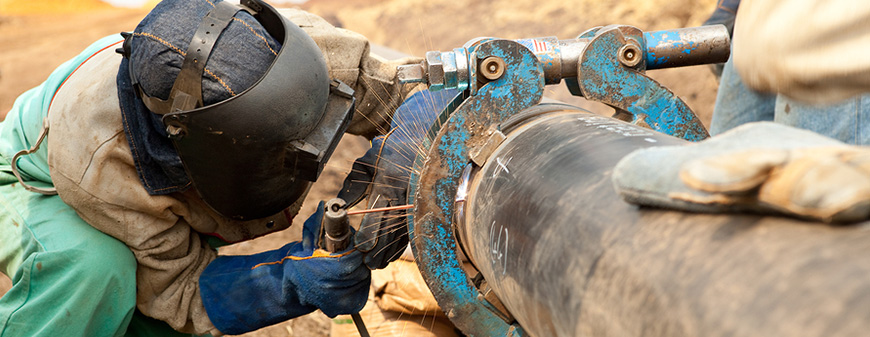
(36, 36)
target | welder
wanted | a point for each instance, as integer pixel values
(206, 125)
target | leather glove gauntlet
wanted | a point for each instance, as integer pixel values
(349, 60)
(246, 293)
(758, 167)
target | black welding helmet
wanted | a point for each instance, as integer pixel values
(256, 153)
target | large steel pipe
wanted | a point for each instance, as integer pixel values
(567, 257)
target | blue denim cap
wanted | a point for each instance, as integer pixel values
(239, 58)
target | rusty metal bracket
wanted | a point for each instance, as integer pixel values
(610, 71)
(499, 79)
(434, 190)
(481, 153)
(487, 294)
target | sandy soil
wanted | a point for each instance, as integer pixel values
(31, 45)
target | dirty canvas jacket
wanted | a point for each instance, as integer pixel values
(92, 167)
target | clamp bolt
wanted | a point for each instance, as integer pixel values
(412, 73)
(629, 55)
(492, 68)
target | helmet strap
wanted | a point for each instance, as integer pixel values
(186, 93)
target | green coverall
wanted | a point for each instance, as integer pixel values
(68, 278)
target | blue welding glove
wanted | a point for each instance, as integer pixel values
(383, 172)
(246, 293)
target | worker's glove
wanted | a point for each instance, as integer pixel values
(245, 293)
(383, 172)
(378, 94)
(349, 59)
(759, 167)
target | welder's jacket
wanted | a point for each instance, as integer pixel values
(91, 165)
(89, 161)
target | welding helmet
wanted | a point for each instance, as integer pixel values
(254, 154)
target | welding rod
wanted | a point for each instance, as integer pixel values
(380, 209)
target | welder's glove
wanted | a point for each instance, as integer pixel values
(245, 293)
(383, 172)
(378, 94)
(758, 167)
(372, 78)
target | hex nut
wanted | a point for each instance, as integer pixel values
(629, 55)
(435, 70)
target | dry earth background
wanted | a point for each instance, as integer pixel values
(36, 36)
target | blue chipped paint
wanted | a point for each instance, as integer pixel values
(666, 40)
(427, 142)
(654, 39)
(520, 87)
(604, 79)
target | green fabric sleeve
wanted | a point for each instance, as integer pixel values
(21, 128)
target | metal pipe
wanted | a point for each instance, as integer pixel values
(687, 46)
(567, 257)
(559, 58)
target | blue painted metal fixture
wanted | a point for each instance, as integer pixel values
(501, 78)
(604, 64)
(611, 71)
(465, 131)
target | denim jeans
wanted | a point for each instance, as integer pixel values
(724, 14)
(847, 121)
(240, 56)
(737, 105)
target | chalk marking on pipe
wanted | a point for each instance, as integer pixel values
(499, 253)
(501, 166)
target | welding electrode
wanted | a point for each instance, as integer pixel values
(336, 238)
(336, 227)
